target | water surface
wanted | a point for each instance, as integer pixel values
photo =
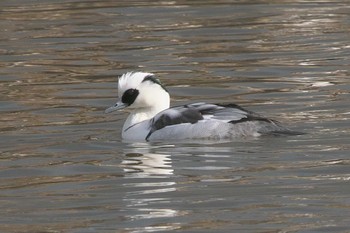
(64, 167)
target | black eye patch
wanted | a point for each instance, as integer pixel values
(129, 96)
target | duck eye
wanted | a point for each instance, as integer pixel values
(129, 96)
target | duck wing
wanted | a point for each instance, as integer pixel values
(192, 113)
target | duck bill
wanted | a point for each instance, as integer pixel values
(117, 106)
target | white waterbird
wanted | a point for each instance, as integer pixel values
(152, 119)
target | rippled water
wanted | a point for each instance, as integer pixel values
(64, 167)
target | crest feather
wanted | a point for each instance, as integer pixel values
(131, 80)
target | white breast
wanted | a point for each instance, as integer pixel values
(136, 132)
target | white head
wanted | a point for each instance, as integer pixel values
(141, 92)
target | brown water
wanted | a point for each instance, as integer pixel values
(64, 167)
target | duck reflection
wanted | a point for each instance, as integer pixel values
(150, 182)
(147, 164)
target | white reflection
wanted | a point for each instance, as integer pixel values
(149, 181)
(321, 84)
(145, 165)
(155, 213)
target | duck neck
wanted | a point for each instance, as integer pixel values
(141, 114)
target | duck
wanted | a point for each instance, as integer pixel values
(152, 119)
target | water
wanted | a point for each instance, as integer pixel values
(64, 167)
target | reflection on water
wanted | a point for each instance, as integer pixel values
(224, 180)
(63, 159)
(136, 164)
(155, 172)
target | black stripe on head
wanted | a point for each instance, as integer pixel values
(153, 79)
(129, 96)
